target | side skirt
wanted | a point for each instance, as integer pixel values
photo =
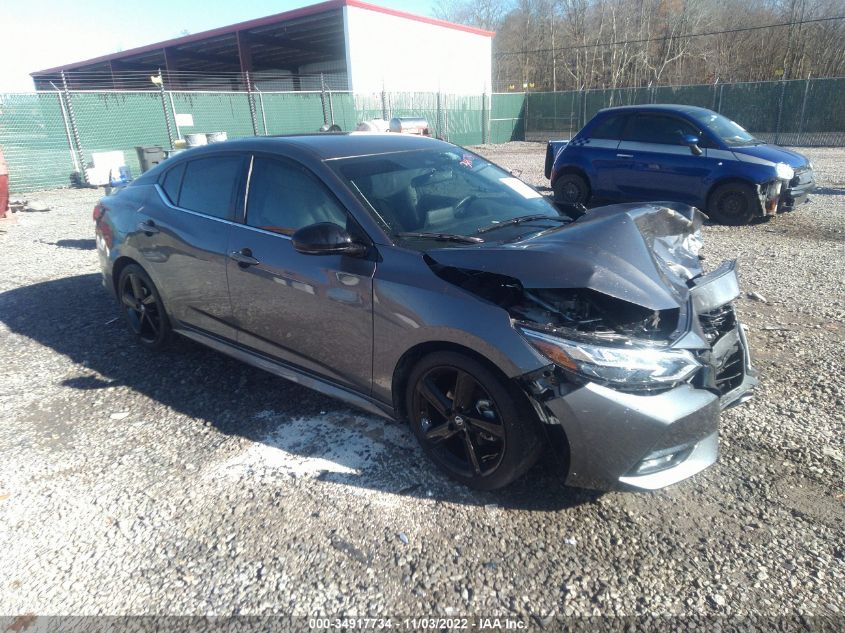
(288, 372)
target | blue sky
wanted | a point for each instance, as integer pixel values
(38, 34)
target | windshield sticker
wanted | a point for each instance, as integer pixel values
(466, 160)
(520, 187)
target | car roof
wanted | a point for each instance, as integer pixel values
(331, 145)
(659, 107)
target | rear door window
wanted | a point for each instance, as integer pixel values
(212, 185)
(657, 128)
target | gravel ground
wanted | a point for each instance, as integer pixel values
(187, 483)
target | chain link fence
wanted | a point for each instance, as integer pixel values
(49, 137)
(797, 112)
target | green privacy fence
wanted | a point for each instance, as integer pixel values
(48, 137)
(798, 112)
(35, 141)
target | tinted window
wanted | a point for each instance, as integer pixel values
(284, 197)
(210, 185)
(444, 190)
(171, 181)
(610, 127)
(655, 128)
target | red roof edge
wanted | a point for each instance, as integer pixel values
(418, 18)
(251, 24)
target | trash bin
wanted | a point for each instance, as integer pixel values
(149, 156)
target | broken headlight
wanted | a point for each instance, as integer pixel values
(784, 171)
(627, 367)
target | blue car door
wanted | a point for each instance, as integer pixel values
(655, 163)
(597, 145)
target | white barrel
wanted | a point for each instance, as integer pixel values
(195, 140)
(373, 125)
(216, 137)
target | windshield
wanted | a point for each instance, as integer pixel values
(451, 192)
(730, 132)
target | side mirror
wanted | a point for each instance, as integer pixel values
(326, 238)
(692, 141)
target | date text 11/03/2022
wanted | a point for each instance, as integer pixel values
(419, 624)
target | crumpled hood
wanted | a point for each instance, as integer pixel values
(773, 153)
(640, 253)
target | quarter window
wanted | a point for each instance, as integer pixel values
(284, 197)
(654, 128)
(210, 185)
(609, 127)
(172, 181)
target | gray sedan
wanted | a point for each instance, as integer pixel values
(416, 280)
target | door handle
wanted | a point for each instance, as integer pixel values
(624, 156)
(244, 258)
(148, 227)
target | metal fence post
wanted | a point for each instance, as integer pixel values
(263, 113)
(525, 117)
(446, 117)
(323, 99)
(164, 109)
(780, 111)
(384, 113)
(73, 158)
(485, 119)
(74, 130)
(251, 99)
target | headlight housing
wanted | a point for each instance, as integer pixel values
(634, 367)
(784, 171)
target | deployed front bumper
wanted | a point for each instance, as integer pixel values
(650, 441)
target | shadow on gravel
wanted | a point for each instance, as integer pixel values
(297, 431)
(828, 191)
(81, 245)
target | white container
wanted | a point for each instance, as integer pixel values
(216, 137)
(373, 125)
(195, 140)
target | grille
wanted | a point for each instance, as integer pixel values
(729, 375)
(718, 322)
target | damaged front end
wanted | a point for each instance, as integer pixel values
(644, 349)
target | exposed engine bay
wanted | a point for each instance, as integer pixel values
(574, 311)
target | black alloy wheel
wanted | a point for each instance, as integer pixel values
(571, 189)
(142, 307)
(733, 204)
(470, 423)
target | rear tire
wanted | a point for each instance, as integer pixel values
(143, 308)
(474, 425)
(733, 204)
(571, 189)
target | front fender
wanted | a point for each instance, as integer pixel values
(412, 306)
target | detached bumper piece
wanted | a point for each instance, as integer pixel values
(649, 441)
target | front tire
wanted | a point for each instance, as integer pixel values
(476, 427)
(571, 189)
(143, 308)
(733, 204)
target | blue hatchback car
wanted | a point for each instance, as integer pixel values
(678, 153)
